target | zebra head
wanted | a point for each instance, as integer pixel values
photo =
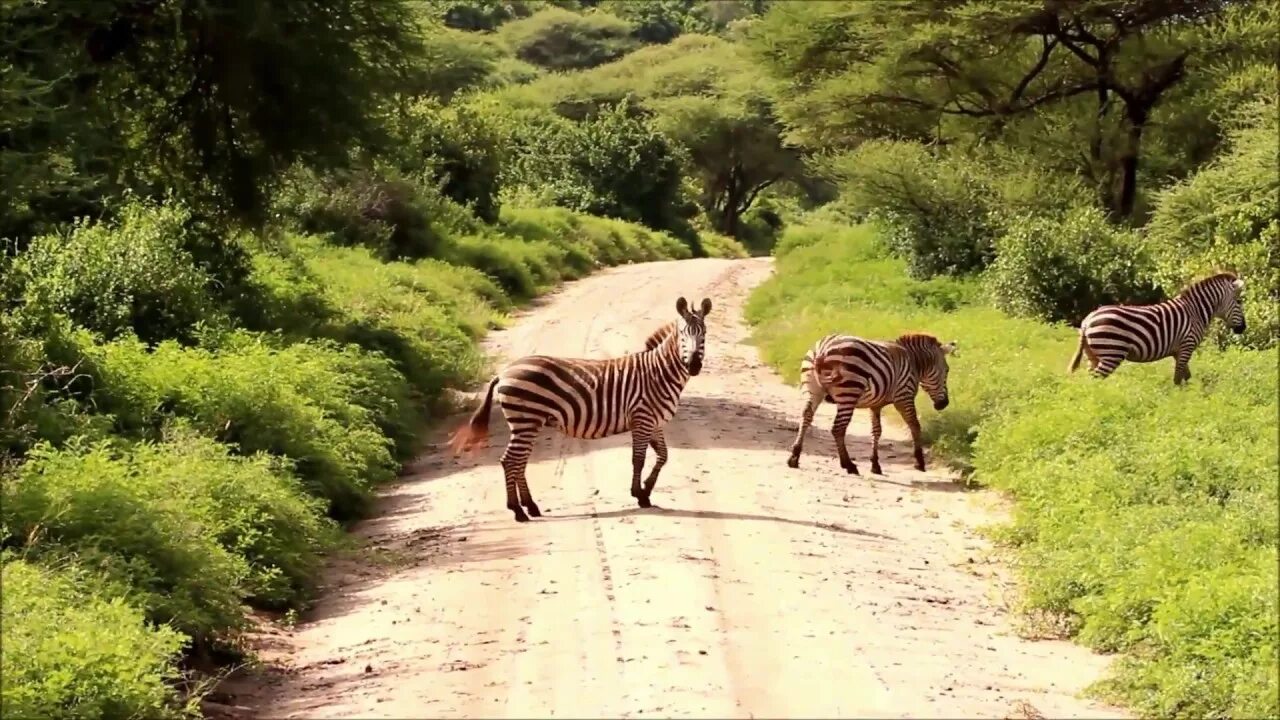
(692, 329)
(1230, 309)
(933, 373)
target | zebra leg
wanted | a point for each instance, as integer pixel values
(844, 413)
(514, 460)
(806, 419)
(875, 441)
(641, 433)
(1181, 361)
(907, 409)
(659, 445)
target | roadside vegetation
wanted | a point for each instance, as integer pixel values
(246, 255)
(1000, 170)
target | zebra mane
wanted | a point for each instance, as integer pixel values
(916, 338)
(658, 336)
(1214, 279)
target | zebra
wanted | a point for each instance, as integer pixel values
(855, 373)
(592, 399)
(1146, 333)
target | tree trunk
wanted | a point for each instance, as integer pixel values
(1129, 159)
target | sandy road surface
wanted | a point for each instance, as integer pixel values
(752, 590)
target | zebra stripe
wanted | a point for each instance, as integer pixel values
(1146, 333)
(592, 399)
(856, 373)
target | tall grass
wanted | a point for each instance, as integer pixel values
(1146, 515)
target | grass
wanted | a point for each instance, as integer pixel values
(1146, 515)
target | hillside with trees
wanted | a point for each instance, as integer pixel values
(249, 247)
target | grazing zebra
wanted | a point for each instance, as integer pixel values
(1146, 333)
(592, 399)
(856, 373)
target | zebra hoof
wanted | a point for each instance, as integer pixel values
(533, 510)
(793, 462)
(920, 467)
(852, 469)
(520, 516)
(644, 501)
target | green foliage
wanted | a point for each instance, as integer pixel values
(75, 652)
(1227, 216)
(203, 99)
(699, 96)
(1061, 270)
(457, 62)
(720, 246)
(558, 39)
(458, 149)
(614, 164)
(138, 274)
(324, 406)
(1160, 545)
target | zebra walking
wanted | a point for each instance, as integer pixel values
(855, 373)
(592, 399)
(1146, 333)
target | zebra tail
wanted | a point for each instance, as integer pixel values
(1075, 361)
(476, 431)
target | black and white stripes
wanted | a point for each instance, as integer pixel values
(1146, 333)
(856, 373)
(592, 399)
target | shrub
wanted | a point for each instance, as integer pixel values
(457, 150)
(1161, 543)
(943, 210)
(138, 274)
(73, 652)
(720, 246)
(384, 212)
(1156, 544)
(559, 39)
(324, 406)
(612, 164)
(135, 527)
(1060, 270)
(1227, 216)
(424, 316)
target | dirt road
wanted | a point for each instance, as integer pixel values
(752, 590)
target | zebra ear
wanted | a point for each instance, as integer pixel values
(949, 348)
(682, 307)
(706, 306)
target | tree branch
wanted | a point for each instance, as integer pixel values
(1045, 52)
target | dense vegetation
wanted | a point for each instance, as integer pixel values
(1000, 169)
(248, 246)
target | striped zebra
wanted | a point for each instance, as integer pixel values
(855, 373)
(1146, 333)
(592, 399)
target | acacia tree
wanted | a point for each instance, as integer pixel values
(917, 70)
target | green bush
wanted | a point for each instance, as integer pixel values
(75, 652)
(612, 164)
(324, 406)
(943, 210)
(720, 246)
(393, 216)
(1227, 216)
(1161, 545)
(457, 150)
(137, 274)
(424, 316)
(559, 39)
(1061, 270)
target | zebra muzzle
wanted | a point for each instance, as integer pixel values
(941, 404)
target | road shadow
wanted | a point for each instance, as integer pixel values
(724, 423)
(714, 515)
